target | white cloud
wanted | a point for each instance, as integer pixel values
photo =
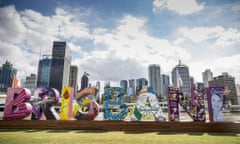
(221, 36)
(182, 7)
(211, 47)
(11, 27)
(24, 34)
(130, 49)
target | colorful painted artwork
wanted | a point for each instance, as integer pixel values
(198, 113)
(66, 103)
(215, 103)
(17, 104)
(173, 102)
(43, 104)
(86, 107)
(148, 108)
(114, 109)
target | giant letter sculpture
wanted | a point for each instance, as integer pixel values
(148, 108)
(198, 104)
(114, 108)
(173, 101)
(17, 106)
(43, 104)
(87, 108)
(66, 103)
(215, 103)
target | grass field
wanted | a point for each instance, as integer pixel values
(113, 137)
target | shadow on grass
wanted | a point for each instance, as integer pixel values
(195, 133)
(136, 132)
(225, 134)
(34, 130)
(90, 131)
(171, 133)
(181, 133)
(58, 131)
(11, 130)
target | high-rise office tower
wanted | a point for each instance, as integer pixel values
(84, 80)
(154, 75)
(164, 85)
(60, 66)
(124, 85)
(228, 81)
(7, 73)
(192, 81)
(98, 96)
(31, 82)
(207, 76)
(73, 78)
(181, 78)
(131, 88)
(140, 83)
(44, 69)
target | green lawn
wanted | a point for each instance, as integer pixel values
(115, 137)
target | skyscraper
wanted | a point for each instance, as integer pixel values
(164, 85)
(140, 83)
(154, 75)
(84, 80)
(124, 85)
(207, 75)
(73, 78)
(44, 69)
(7, 73)
(181, 78)
(228, 81)
(60, 66)
(98, 96)
(31, 82)
(131, 88)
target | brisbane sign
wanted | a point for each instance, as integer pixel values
(41, 106)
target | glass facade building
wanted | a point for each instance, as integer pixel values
(30, 82)
(181, 78)
(165, 82)
(140, 83)
(207, 76)
(7, 73)
(84, 81)
(73, 78)
(60, 65)
(131, 88)
(44, 68)
(154, 75)
(124, 85)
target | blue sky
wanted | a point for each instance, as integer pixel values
(113, 39)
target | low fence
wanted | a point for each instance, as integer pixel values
(144, 126)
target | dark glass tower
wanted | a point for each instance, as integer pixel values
(44, 68)
(124, 85)
(7, 73)
(60, 65)
(84, 80)
(73, 77)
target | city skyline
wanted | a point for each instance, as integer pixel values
(114, 40)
